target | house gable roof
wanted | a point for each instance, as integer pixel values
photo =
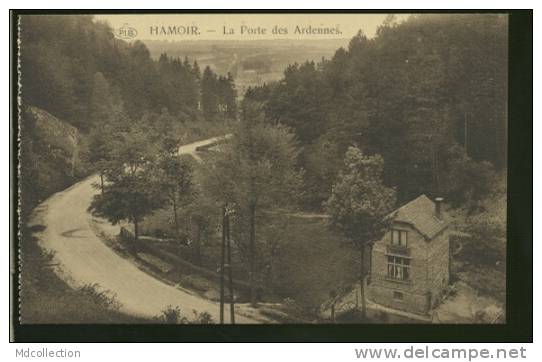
(420, 213)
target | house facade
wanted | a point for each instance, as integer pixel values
(410, 264)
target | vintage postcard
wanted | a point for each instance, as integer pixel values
(262, 168)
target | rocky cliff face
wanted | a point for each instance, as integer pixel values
(49, 158)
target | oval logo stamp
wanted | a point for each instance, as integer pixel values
(126, 32)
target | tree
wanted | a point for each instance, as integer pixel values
(228, 96)
(209, 93)
(104, 102)
(98, 151)
(467, 181)
(255, 169)
(321, 169)
(179, 84)
(174, 173)
(131, 191)
(359, 202)
(407, 94)
(300, 101)
(101, 138)
(202, 214)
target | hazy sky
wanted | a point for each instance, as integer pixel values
(245, 26)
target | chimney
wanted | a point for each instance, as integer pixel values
(438, 207)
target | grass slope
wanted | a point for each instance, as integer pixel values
(307, 262)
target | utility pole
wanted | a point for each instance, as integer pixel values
(465, 135)
(504, 145)
(230, 272)
(222, 262)
(362, 281)
(333, 298)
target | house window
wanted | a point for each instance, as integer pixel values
(399, 237)
(397, 295)
(398, 268)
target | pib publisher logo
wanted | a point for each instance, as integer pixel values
(126, 32)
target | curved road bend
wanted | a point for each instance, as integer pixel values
(85, 259)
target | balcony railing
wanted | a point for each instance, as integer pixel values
(398, 250)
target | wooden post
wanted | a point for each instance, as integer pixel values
(230, 272)
(362, 282)
(176, 219)
(465, 135)
(198, 242)
(333, 297)
(222, 262)
(357, 300)
(252, 255)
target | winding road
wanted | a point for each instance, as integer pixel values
(83, 258)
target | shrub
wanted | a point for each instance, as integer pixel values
(172, 315)
(202, 318)
(466, 180)
(103, 298)
(486, 245)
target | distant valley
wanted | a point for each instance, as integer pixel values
(251, 62)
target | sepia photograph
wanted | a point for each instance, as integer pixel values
(262, 168)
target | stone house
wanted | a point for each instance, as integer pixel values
(409, 267)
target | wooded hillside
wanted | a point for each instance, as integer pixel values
(428, 94)
(77, 70)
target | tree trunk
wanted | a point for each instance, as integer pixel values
(230, 272)
(136, 230)
(465, 134)
(222, 262)
(198, 242)
(252, 256)
(175, 219)
(102, 182)
(136, 234)
(362, 282)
